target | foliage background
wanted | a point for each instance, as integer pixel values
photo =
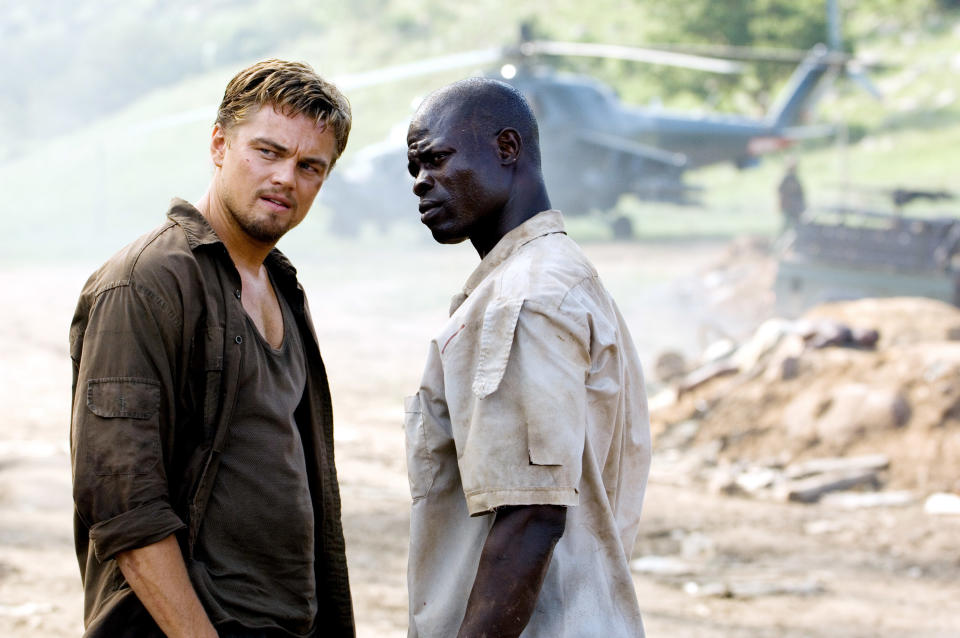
(104, 103)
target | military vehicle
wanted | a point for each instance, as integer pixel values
(846, 253)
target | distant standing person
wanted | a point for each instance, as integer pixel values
(791, 197)
(206, 497)
(528, 443)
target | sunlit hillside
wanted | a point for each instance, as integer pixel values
(86, 191)
(907, 138)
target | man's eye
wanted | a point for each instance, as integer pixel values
(266, 152)
(310, 168)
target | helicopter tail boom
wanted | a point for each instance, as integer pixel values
(800, 91)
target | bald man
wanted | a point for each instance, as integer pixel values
(528, 442)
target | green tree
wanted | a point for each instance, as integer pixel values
(794, 24)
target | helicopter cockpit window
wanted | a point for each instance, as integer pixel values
(580, 100)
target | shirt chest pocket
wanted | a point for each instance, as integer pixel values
(420, 467)
(123, 436)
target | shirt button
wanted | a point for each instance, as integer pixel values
(238, 339)
(236, 293)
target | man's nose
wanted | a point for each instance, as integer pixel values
(422, 184)
(284, 172)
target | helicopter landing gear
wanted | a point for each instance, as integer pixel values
(622, 228)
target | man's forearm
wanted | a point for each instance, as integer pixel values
(158, 576)
(512, 567)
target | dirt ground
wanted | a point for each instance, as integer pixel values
(733, 566)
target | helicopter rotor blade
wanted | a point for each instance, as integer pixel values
(859, 77)
(750, 54)
(652, 56)
(852, 67)
(479, 57)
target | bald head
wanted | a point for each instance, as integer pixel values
(473, 151)
(487, 107)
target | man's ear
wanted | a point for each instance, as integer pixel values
(509, 145)
(218, 145)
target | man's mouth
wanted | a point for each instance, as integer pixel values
(428, 209)
(277, 202)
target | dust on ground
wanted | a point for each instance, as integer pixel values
(723, 565)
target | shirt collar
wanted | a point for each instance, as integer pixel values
(541, 224)
(199, 232)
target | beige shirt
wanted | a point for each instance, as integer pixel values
(532, 395)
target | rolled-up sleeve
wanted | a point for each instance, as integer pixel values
(123, 414)
(525, 439)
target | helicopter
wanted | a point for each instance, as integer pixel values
(619, 148)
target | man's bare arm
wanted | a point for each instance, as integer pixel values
(158, 576)
(513, 564)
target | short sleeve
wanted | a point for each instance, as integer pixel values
(528, 419)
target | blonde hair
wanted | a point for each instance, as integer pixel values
(292, 88)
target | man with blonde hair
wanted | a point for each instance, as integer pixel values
(206, 497)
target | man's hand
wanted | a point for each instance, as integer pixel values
(158, 576)
(512, 567)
